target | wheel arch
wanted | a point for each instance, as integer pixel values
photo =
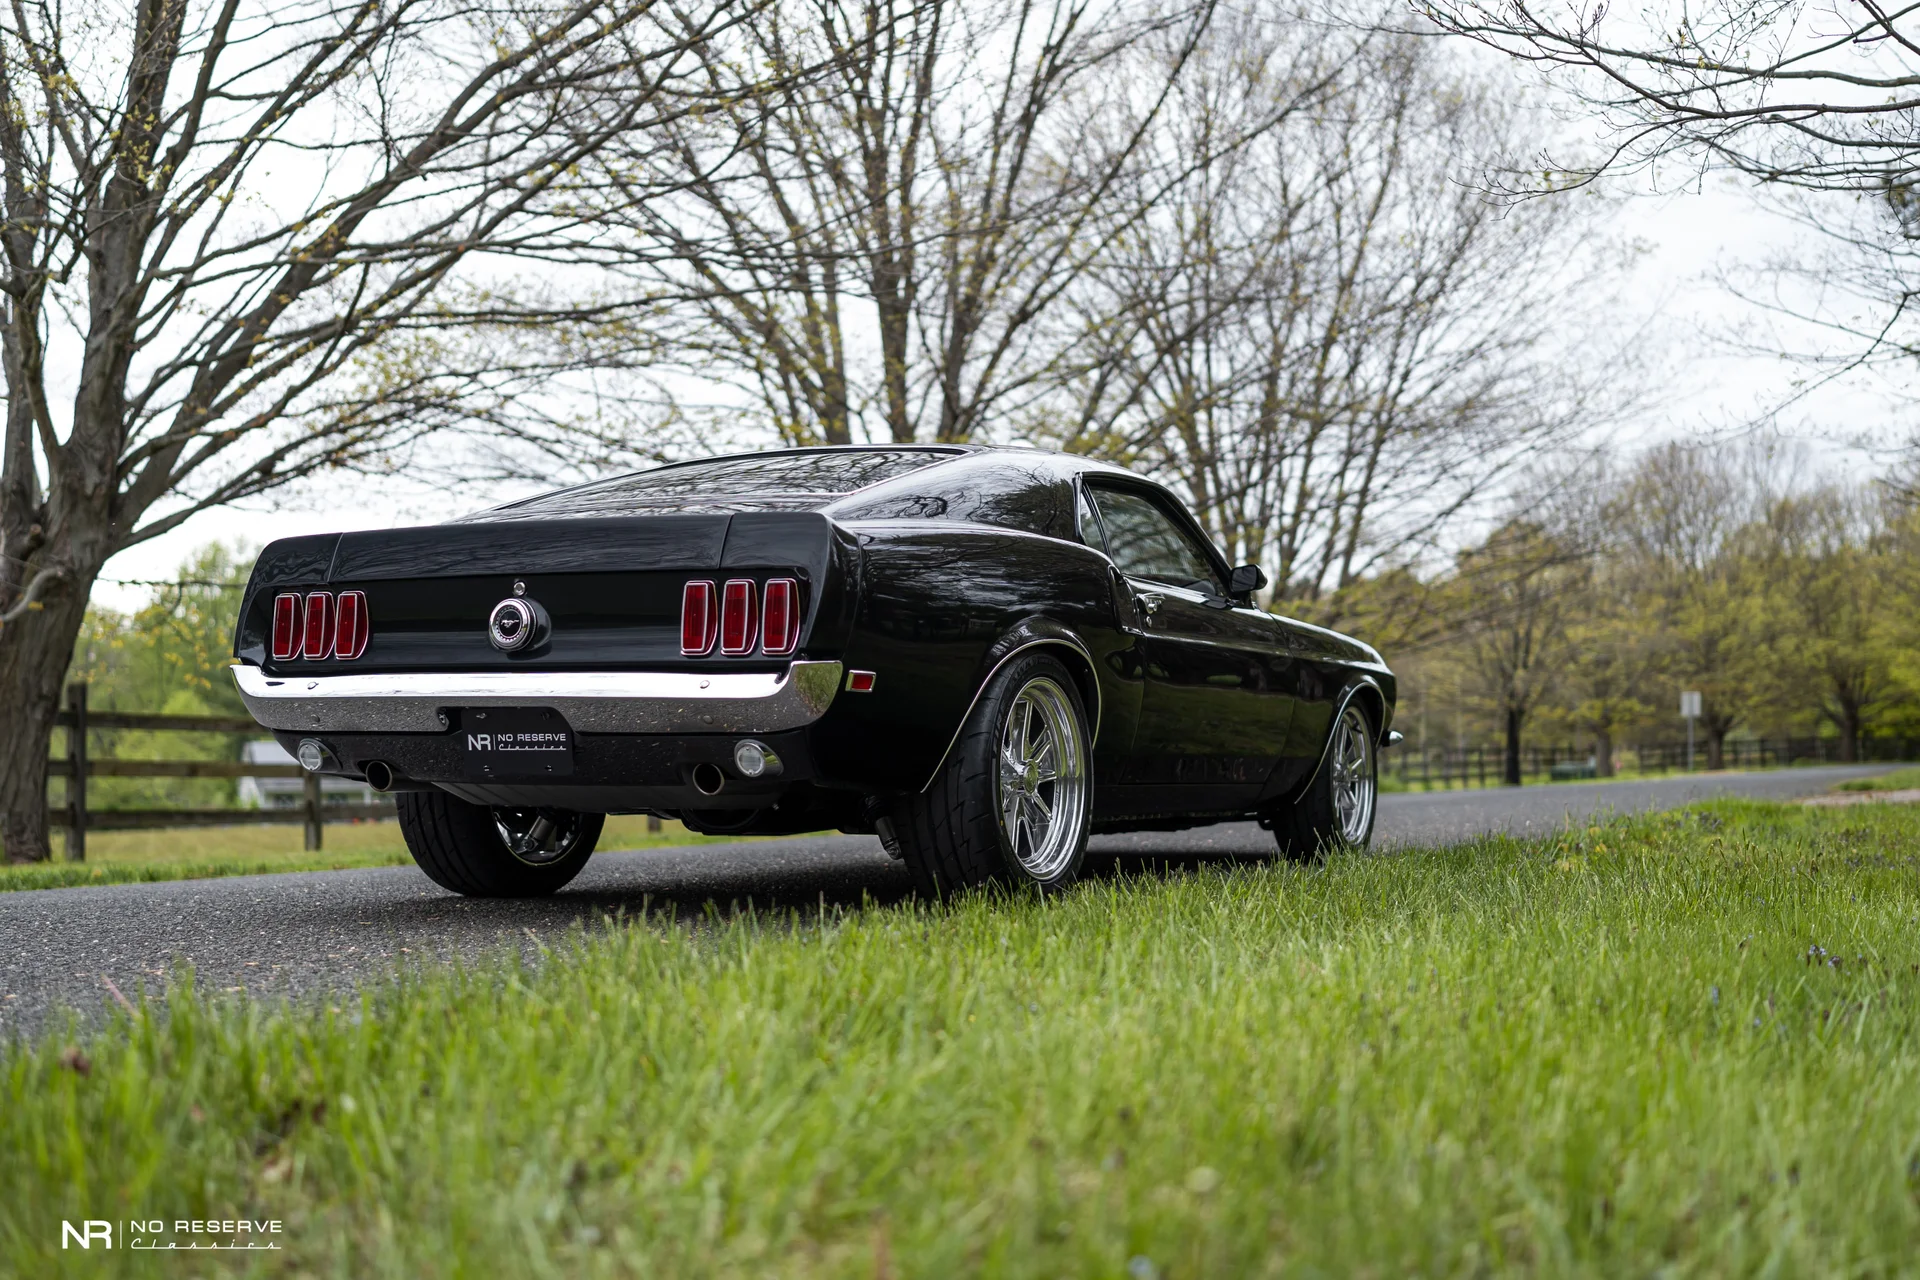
(1368, 694)
(1030, 635)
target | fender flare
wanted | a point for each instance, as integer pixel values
(1364, 685)
(1029, 634)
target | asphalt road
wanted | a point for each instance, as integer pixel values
(317, 932)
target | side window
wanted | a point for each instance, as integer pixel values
(1145, 542)
(1090, 522)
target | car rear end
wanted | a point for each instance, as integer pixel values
(667, 662)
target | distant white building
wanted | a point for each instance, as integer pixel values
(290, 793)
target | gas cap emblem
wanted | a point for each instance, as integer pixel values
(515, 624)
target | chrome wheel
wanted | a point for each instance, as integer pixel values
(538, 837)
(1351, 771)
(1042, 792)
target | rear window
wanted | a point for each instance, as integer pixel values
(759, 476)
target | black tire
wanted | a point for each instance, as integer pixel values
(461, 846)
(1317, 824)
(953, 836)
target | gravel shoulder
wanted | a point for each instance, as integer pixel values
(319, 932)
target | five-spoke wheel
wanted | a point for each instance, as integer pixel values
(1337, 808)
(1351, 766)
(1011, 803)
(1043, 781)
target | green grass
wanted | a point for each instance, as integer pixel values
(122, 857)
(1899, 780)
(1685, 1044)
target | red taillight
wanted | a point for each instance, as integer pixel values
(350, 627)
(699, 618)
(286, 627)
(736, 616)
(316, 640)
(780, 616)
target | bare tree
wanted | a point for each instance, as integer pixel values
(1324, 332)
(1810, 95)
(1805, 99)
(871, 255)
(1535, 585)
(223, 219)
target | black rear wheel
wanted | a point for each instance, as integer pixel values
(485, 852)
(1336, 812)
(1013, 802)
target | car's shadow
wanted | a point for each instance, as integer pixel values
(720, 883)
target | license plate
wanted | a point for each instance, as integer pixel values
(517, 742)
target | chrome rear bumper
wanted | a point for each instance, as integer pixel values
(592, 701)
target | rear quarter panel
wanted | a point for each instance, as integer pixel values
(939, 606)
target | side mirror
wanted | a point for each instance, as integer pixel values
(1246, 580)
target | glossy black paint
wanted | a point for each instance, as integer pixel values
(932, 576)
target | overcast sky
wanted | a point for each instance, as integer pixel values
(1693, 325)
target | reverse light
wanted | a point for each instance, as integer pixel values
(286, 626)
(780, 616)
(350, 626)
(699, 619)
(737, 616)
(316, 640)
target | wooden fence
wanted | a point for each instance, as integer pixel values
(79, 766)
(1446, 767)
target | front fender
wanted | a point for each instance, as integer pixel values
(1363, 687)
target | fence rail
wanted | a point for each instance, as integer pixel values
(312, 813)
(1446, 767)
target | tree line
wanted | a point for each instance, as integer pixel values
(1790, 604)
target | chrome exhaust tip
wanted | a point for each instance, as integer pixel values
(708, 780)
(379, 775)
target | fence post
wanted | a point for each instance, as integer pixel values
(653, 823)
(77, 772)
(311, 785)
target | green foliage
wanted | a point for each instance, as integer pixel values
(1680, 1044)
(1794, 610)
(1898, 780)
(198, 853)
(170, 657)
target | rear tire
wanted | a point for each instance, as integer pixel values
(483, 852)
(1013, 803)
(1336, 813)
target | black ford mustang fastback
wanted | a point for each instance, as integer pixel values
(980, 655)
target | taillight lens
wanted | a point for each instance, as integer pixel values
(736, 616)
(286, 626)
(316, 640)
(780, 616)
(350, 626)
(699, 618)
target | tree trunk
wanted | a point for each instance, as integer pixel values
(35, 650)
(1603, 753)
(1717, 748)
(1850, 719)
(1513, 747)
